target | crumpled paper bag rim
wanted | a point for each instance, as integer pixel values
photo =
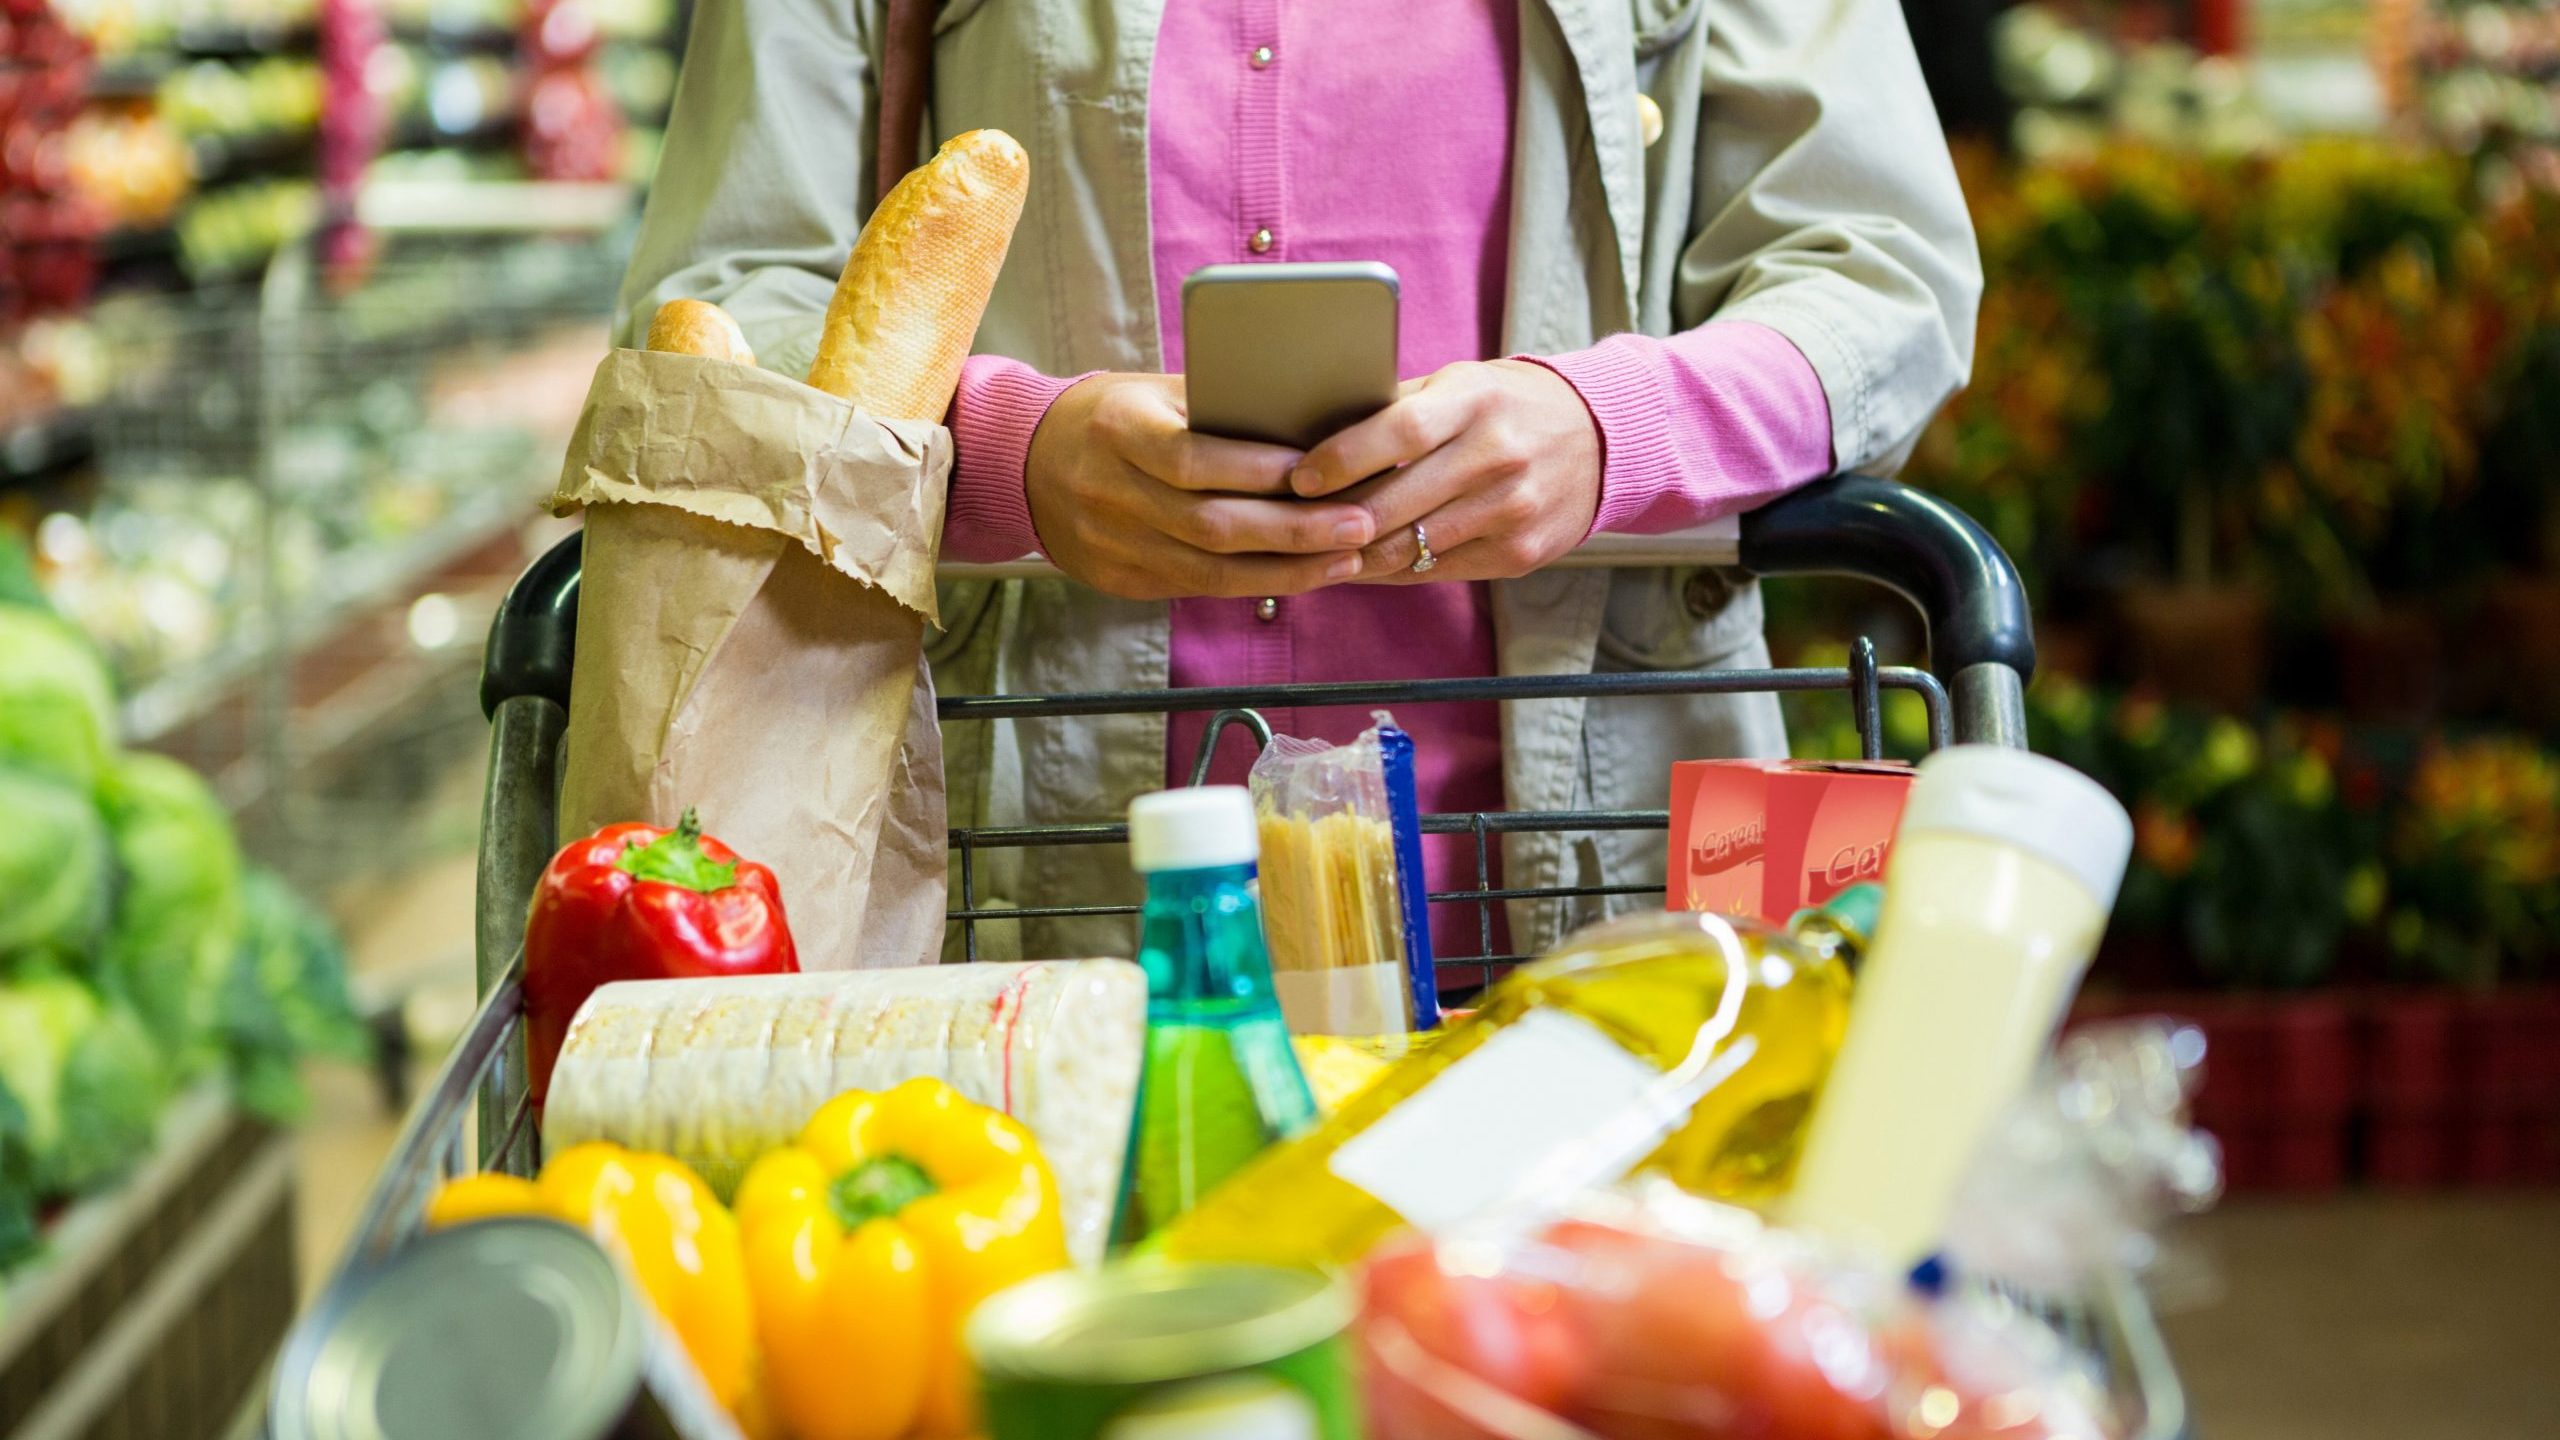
(744, 446)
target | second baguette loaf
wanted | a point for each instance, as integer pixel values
(919, 277)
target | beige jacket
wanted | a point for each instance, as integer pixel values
(1801, 181)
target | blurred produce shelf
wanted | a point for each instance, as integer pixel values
(356, 584)
(158, 1302)
(307, 496)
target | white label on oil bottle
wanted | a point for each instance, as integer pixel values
(1547, 1081)
(1243, 1406)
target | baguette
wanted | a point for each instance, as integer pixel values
(698, 327)
(908, 304)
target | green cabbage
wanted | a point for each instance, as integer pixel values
(178, 915)
(86, 1075)
(57, 711)
(53, 866)
(287, 999)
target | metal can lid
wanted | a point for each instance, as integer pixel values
(493, 1330)
(1136, 1324)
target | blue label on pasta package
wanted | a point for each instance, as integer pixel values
(1404, 813)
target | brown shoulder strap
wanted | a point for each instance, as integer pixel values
(906, 84)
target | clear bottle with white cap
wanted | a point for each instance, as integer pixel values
(1221, 1082)
(2003, 871)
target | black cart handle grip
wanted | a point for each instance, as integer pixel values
(1908, 540)
(533, 643)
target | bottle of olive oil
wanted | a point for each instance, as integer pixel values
(1220, 1082)
(1683, 1043)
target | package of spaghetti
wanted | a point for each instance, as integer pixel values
(1334, 886)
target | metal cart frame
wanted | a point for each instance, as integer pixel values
(1937, 557)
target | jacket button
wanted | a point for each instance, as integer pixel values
(1261, 240)
(1266, 610)
(1704, 593)
(1648, 119)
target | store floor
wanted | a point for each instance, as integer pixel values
(2366, 1317)
(2373, 1316)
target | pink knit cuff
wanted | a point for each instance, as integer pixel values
(1708, 422)
(999, 404)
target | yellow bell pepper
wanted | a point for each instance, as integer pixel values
(870, 1240)
(671, 1234)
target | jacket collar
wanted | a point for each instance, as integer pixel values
(1600, 35)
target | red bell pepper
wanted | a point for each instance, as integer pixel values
(636, 902)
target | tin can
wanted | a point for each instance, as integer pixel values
(1161, 1351)
(494, 1330)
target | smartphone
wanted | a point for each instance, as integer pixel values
(1288, 353)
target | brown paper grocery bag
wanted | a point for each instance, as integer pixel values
(757, 580)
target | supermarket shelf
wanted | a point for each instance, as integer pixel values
(75, 1247)
(169, 702)
(471, 39)
(132, 77)
(40, 447)
(418, 133)
(154, 244)
(201, 1327)
(248, 157)
(496, 207)
(237, 42)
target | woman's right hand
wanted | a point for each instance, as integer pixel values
(1128, 500)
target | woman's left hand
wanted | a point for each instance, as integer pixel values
(1498, 461)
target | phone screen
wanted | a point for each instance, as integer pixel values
(1288, 353)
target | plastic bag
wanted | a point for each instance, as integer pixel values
(2077, 1176)
(1648, 1314)
(1335, 885)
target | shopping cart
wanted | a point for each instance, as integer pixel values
(1932, 553)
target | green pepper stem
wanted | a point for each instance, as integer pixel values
(877, 1189)
(676, 858)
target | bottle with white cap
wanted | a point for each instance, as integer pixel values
(1221, 1082)
(2003, 871)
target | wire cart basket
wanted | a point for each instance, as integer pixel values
(476, 1114)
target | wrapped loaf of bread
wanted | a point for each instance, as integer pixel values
(717, 1071)
(759, 572)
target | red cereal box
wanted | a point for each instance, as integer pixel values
(1766, 838)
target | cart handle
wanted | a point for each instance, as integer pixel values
(1917, 544)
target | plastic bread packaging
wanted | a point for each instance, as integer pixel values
(717, 1071)
(1332, 896)
(2078, 1177)
(1645, 1313)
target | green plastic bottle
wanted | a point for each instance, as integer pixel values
(1221, 1082)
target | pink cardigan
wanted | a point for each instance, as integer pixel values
(1270, 118)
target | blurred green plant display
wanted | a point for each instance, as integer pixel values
(2333, 369)
(2263, 851)
(2330, 371)
(2475, 857)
